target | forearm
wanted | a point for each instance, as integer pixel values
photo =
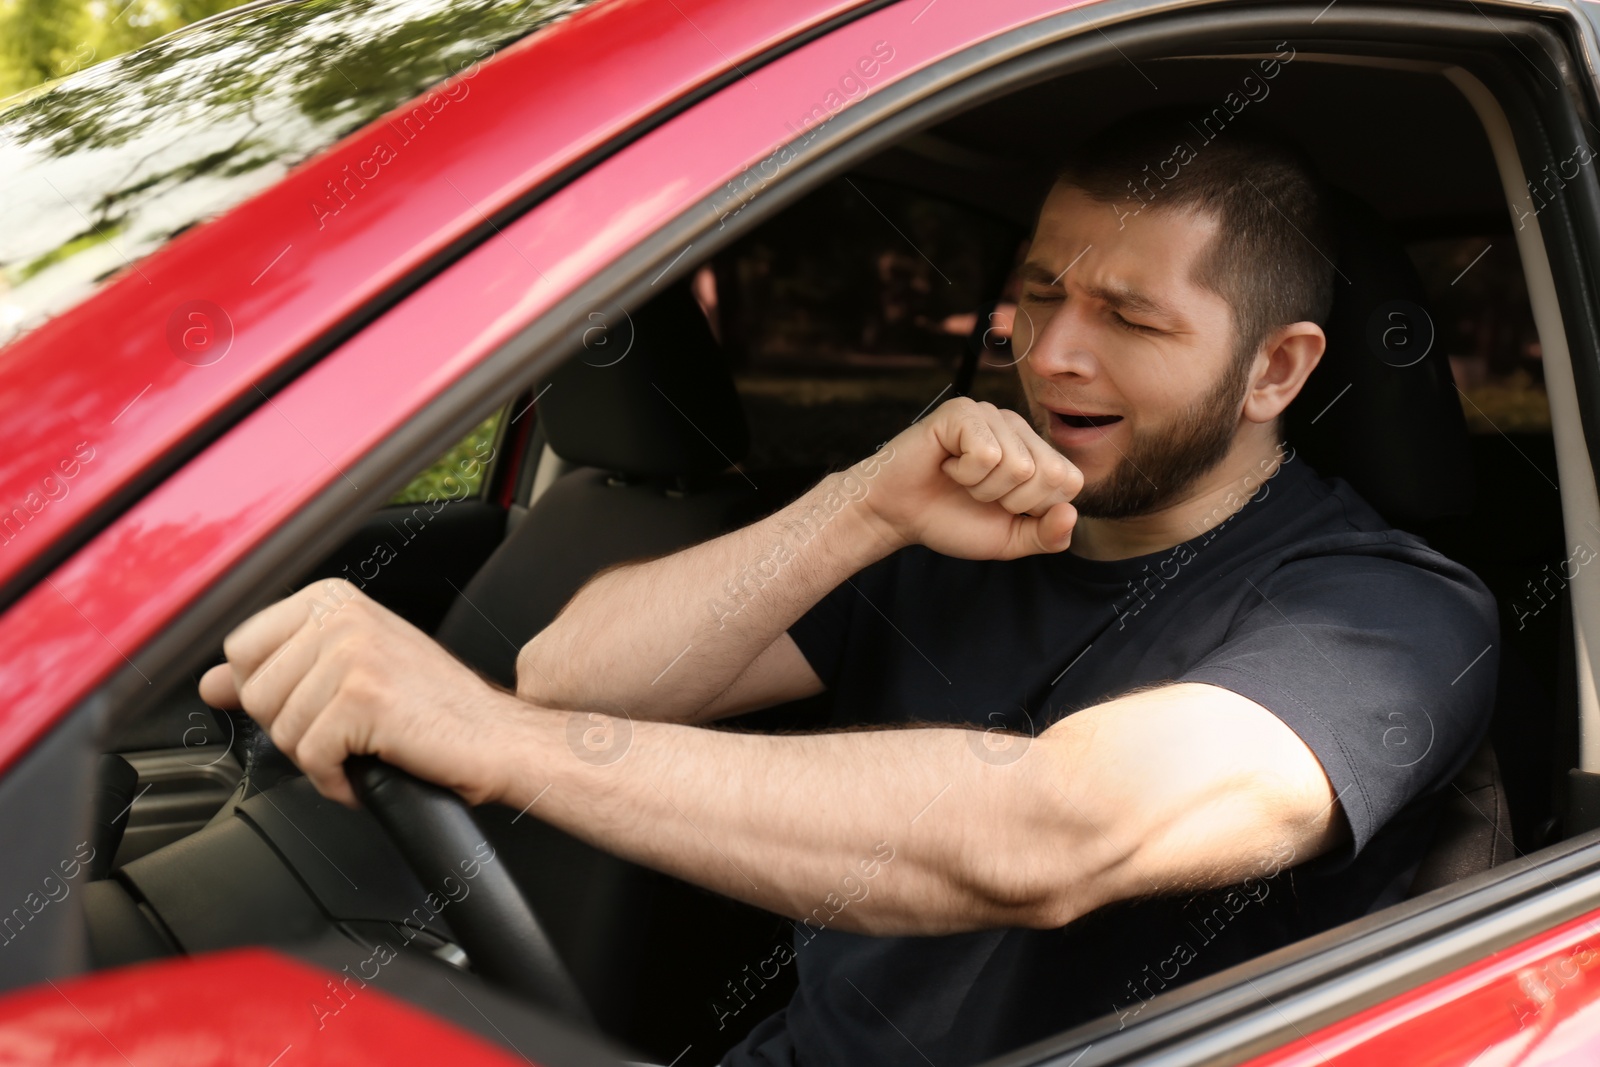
(892, 832)
(661, 639)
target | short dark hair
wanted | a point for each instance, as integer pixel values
(1271, 258)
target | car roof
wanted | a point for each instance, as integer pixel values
(274, 281)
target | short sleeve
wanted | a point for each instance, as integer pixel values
(823, 632)
(1386, 668)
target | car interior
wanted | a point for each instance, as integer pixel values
(800, 348)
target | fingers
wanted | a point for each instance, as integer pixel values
(321, 754)
(1017, 464)
(256, 640)
(998, 456)
(286, 722)
(965, 432)
(1050, 532)
(272, 654)
(1055, 480)
(264, 692)
(320, 724)
(217, 688)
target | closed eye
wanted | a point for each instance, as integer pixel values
(1136, 327)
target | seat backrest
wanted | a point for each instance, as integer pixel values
(653, 421)
(586, 521)
(1474, 830)
(1381, 411)
(650, 396)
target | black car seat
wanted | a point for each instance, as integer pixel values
(653, 424)
(655, 427)
(1381, 411)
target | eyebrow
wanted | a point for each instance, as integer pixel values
(1124, 297)
(1120, 297)
(1034, 271)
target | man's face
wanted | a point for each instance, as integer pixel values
(1128, 364)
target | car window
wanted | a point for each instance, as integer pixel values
(461, 466)
(847, 316)
(103, 167)
(1485, 323)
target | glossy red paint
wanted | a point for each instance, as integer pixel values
(1536, 1004)
(86, 618)
(284, 277)
(258, 1009)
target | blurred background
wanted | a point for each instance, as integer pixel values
(41, 40)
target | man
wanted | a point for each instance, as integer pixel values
(1145, 697)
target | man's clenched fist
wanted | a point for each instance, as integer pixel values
(975, 481)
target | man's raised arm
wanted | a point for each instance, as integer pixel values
(701, 633)
(664, 639)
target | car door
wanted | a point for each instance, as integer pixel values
(211, 545)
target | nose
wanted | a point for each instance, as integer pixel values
(1057, 347)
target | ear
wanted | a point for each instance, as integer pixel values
(1282, 365)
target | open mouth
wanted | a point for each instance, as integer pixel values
(1085, 421)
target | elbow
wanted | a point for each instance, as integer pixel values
(535, 683)
(1031, 893)
(1052, 867)
(1055, 909)
(1042, 907)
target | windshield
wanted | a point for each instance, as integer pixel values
(101, 168)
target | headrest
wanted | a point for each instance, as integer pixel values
(1381, 410)
(649, 394)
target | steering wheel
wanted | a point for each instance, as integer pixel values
(434, 830)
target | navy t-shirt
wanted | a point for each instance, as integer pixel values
(1380, 653)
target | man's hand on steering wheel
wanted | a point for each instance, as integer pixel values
(975, 481)
(330, 673)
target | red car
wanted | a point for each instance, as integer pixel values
(258, 276)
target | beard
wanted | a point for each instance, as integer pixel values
(1161, 464)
